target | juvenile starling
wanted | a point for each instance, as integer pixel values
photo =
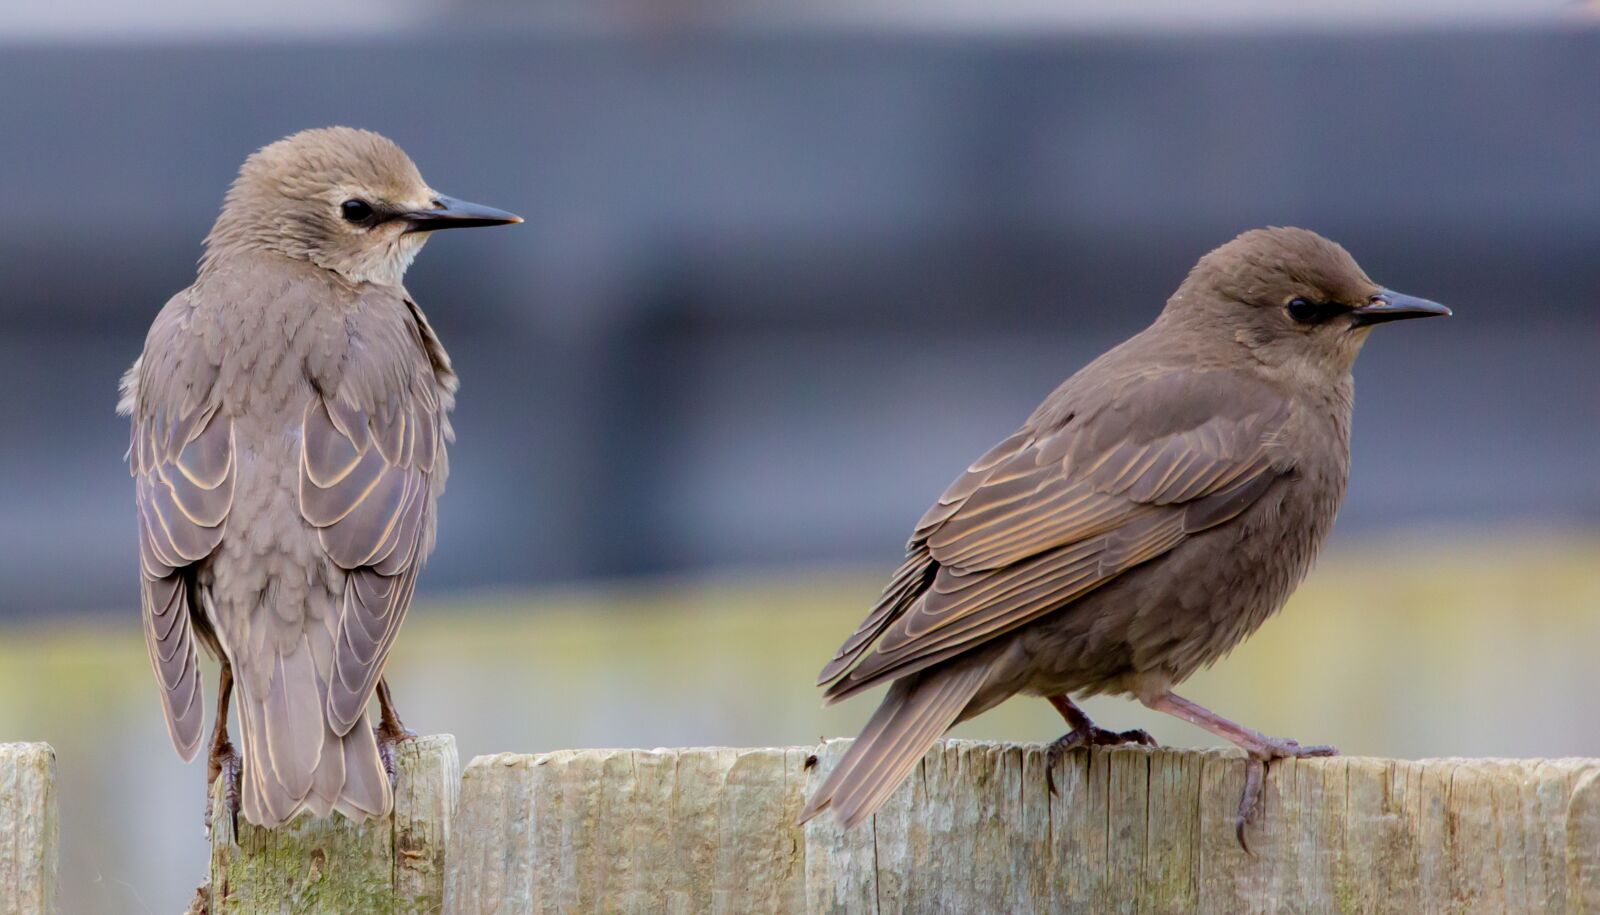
(290, 414)
(1150, 514)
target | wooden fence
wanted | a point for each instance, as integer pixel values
(29, 829)
(976, 828)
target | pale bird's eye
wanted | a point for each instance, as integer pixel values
(355, 210)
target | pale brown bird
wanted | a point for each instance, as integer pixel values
(1150, 514)
(289, 427)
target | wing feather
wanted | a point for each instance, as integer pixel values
(367, 483)
(1050, 514)
(181, 459)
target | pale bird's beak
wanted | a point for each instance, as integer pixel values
(1389, 305)
(450, 213)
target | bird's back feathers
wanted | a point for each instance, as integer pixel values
(289, 446)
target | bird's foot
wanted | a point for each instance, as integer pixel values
(388, 739)
(1096, 736)
(390, 730)
(1089, 735)
(1262, 752)
(226, 765)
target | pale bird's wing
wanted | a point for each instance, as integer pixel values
(182, 461)
(1055, 511)
(373, 459)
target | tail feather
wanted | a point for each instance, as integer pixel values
(916, 711)
(291, 718)
(366, 791)
(294, 761)
(329, 778)
(349, 778)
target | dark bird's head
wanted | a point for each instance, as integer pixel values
(347, 200)
(1296, 301)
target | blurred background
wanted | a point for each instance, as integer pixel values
(785, 274)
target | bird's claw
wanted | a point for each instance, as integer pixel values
(1139, 736)
(388, 738)
(1089, 736)
(1255, 774)
(227, 766)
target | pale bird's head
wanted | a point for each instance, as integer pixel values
(1297, 301)
(347, 200)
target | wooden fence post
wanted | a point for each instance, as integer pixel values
(976, 828)
(394, 865)
(29, 829)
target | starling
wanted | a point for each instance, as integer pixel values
(290, 415)
(1155, 510)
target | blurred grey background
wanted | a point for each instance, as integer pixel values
(779, 283)
(785, 273)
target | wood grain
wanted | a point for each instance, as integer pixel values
(976, 828)
(29, 829)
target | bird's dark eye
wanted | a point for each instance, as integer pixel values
(355, 210)
(1304, 311)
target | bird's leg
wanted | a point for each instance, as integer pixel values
(390, 729)
(1085, 733)
(224, 760)
(1260, 750)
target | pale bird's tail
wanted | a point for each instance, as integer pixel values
(294, 761)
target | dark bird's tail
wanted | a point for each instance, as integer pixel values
(915, 712)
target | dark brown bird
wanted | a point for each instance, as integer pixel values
(1150, 514)
(289, 427)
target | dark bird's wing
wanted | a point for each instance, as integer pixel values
(181, 457)
(372, 461)
(1062, 507)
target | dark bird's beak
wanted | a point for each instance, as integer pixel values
(1388, 305)
(450, 213)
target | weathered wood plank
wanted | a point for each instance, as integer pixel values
(686, 831)
(976, 828)
(29, 829)
(332, 865)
